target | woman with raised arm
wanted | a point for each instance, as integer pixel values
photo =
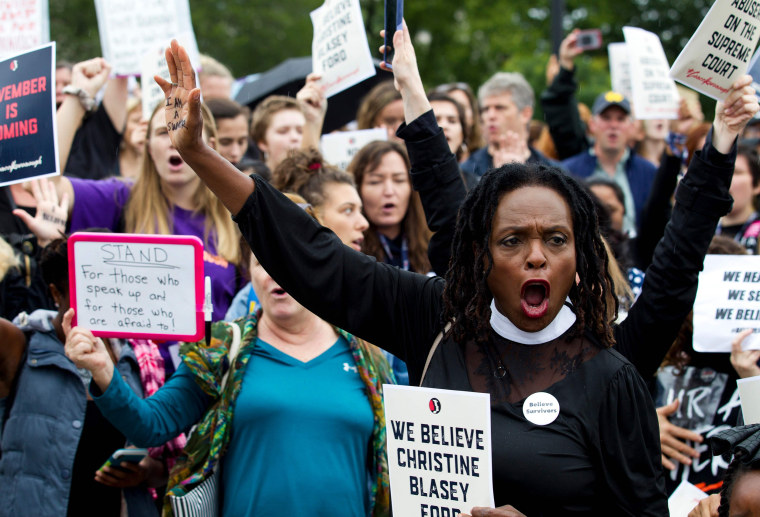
(527, 293)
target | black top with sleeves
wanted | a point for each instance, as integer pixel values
(609, 447)
(670, 285)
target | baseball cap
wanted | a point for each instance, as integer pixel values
(608, 99)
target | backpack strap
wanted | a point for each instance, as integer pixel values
(433, 348)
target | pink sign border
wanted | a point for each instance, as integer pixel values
(190, 240)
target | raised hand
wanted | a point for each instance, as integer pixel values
(183, 101)
(88, 352)
(744, 361)
(406, 75)
(569, 50)
(733, 114)
(314, 102)
(673, 439)
(90, 75)
(49, 223)
(510, 147)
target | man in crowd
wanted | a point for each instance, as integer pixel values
(610, 158)
(506, 108)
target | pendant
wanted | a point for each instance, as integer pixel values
(500, 372)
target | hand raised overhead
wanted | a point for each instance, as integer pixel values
(183, 101)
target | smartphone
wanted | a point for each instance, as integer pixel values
(394, 15)
(589, 39)
(125, 456)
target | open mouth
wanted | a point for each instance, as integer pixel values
(534, 298)
(279, 291)
(175, 162)
(357, 244)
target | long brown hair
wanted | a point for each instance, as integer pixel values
(373, 103)
(148, 209)
(413, 226)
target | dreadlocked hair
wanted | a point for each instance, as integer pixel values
(466, 295)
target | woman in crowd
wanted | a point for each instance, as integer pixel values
(743, 222)
(299, 427)
(167, 198)
(54, 438)
(697, 390)
(333, 197)
(381, 108)
(523, 236)
(450, 117)
(397, 233)
(463, 94)
(277, 128)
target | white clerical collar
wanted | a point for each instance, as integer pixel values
(506, 329)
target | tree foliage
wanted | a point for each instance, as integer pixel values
(464, 40)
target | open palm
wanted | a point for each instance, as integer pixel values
(183, 100)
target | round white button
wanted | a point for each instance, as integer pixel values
(541, 408)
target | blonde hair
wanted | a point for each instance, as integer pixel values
(8, 259)
(148, 210)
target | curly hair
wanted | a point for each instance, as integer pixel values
(306, 174)
(467, 297)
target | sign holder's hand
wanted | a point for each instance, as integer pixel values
(744, 361)
(88, 352)
(732, 115)
(673, 439)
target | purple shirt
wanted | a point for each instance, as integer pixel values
(100, 204)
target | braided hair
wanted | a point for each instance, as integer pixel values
(466, 295)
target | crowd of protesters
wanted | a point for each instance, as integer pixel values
(474, 249)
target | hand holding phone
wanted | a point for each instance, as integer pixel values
(394, 15)
(589, 39)
(130, 455)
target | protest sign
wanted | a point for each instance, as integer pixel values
(137, 286)
(620, 68)
(28, 132)
(754, 70)
(749, 392)
(153, 63)
(24, 24)
(727, 303)
(339, 148)
(684, 499)
(339, 50)
(129, 29)
(439, 450)
(654, 92)
(719, 51)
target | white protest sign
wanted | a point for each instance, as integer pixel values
(24, 24)
(720, 49)
(654, 92)
(620, 69)
(129, 29)
(339, 50)
(439, 450)
(153, 63)
(727, 303)
(749, 392)
(141, 286)
(340, 147)
(684, 499)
